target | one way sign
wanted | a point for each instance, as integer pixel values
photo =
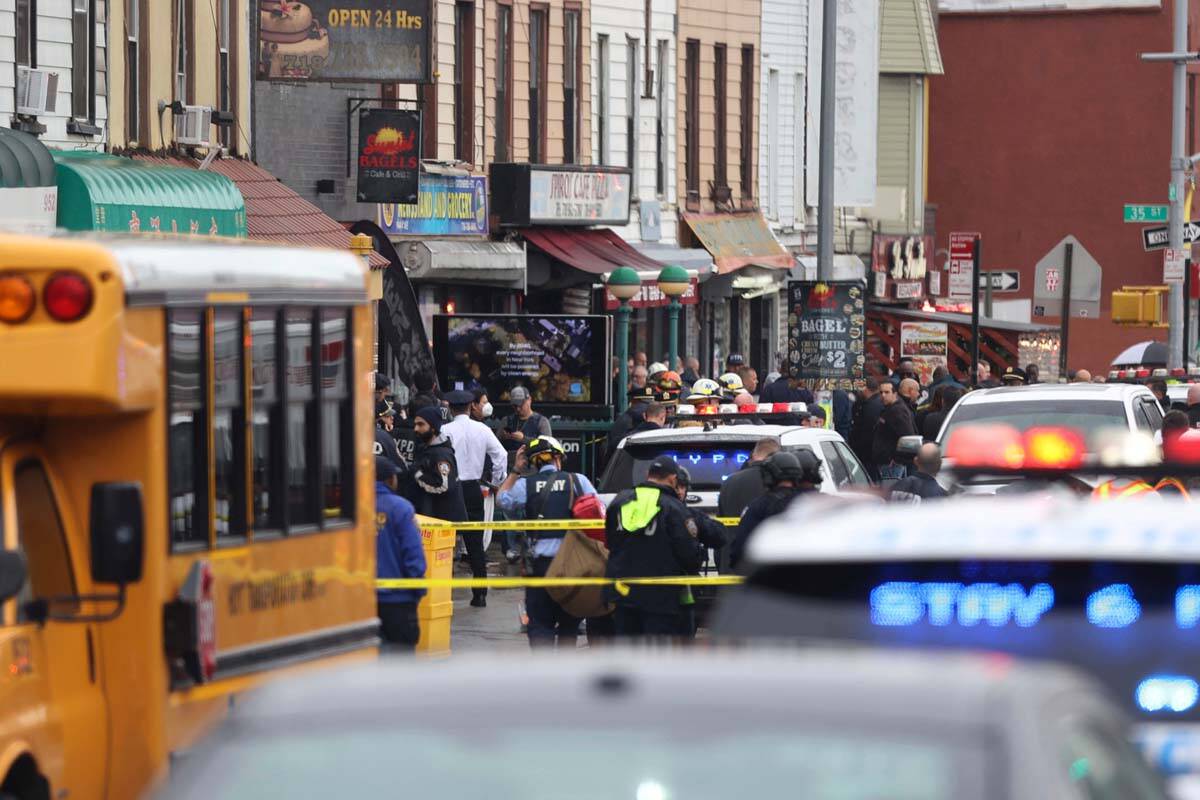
(1157, 238)
(1008, 280)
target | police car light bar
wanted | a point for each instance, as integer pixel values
(731, 410)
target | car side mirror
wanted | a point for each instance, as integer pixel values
(13, 574)
(908, 445)
(117, 537)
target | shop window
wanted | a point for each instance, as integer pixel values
(133, 65)
(26, 33)
(187, 445)
(337, 420)
(267, 421)
(721, 121)
(692, 121)
(41, 538)
(572, 69)
(602, 98)
(632, 73)
(299, 414)
(538, 45)
(229, 424)
(747, 122)
(504, 82)
(464, 81)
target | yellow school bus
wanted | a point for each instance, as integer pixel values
(186, 500)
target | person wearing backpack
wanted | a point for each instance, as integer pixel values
(550, 492)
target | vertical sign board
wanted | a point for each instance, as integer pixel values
(1173, 265)
(826, 333)
(962, 262)
(389, 155)
(926, 343)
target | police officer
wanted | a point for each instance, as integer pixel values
(398, 554)
(431, 482)
(711, 535)
(545, 494)
(650, 534)
(385, 445)
(630, 419)
(786, 476)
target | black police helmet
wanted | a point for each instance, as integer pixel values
(797, 467)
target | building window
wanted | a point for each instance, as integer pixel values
(721, 121)
(83, 60)
(773, 143)
(747, 122)
(267, 422)
(538, 44)
(229, 423)
(464, 81)
(504, 79)
(602, 98)
(299, 430)
(185, 37)
(661, 123)
(572, 68)
(26, 30)
(187, 444)
(225, 70)
(632, 90)
(133, 64)
(337, 417)
(692, 119)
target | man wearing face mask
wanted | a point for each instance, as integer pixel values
(474, 444)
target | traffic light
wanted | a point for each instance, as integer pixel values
(1139, 305)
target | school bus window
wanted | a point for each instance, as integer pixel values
(301, 503)
(264, 398)
(188, 442)
(41, 538)
(229, 423)
(336, 424)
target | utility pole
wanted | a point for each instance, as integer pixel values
(825, 172)
(1180, 164)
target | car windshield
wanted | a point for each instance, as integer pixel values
(709, 463)
(1086, 416)
(836, 762)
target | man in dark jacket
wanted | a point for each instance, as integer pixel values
(385, 445)
(431, 481)
(398, 554)
(630, 418)
(746, 485)
(787, 475)
(864, 416)
(786, 390)
(921, 485)
(653, 419)
(650, 534)
(932, 424)
(895, 420)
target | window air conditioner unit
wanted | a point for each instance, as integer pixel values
(37, 91)
(192, 125)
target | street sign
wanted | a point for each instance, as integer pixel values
(1008, 280)
(1157, 238)
(1173, 265)
(1141, 212)
(962, 262)
(1048, 279)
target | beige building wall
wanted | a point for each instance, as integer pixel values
(554, 81)
(157, 42)
(733, 24)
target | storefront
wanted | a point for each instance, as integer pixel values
(443, 244)
(739, 312)
(28, 188)
(101, 192)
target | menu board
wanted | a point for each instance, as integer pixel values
(826, 333)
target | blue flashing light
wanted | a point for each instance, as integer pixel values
(1114, 606)
(1175, 693)
(905, 603)
(1187, 606)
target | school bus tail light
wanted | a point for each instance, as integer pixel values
(17, 298)
(67, 296)
(190, 629)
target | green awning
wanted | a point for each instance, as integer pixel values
(101, 192)
(25, 163)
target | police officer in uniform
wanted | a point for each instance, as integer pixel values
(431, 482)
(385, 445)
(544, 494)
(650, 534)
(786, 475)
(398, 554)
(711, 534)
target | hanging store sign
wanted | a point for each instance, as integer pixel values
(826, 333)
(534, 194)
(345, 40)
(389, 156)
(449, 205)
(650, 296)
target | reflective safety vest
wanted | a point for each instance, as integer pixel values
(1111, 490)
(828, 406)
(1172, 486)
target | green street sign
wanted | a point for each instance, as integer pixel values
(1141, 212)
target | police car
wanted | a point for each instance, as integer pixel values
(1112, 588)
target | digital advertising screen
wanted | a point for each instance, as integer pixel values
(561, 360)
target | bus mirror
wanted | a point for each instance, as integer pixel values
(12, 574)
(116, 532)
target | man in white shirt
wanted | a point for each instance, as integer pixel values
(473, 443)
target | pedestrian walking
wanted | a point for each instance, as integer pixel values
(787, 475)
(650, 534)
(398, 554)
(474, 446)
(922, 484)
(550, 492)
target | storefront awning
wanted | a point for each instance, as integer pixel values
(739, 240)
(595, 250)
(100, 192)
(27, 184)
(693, 259)
(446, 260)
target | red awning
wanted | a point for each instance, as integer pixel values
(595, 250)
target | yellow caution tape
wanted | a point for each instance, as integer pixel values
(535, 525)
(622, 586)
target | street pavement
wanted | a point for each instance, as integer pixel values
(496, 628)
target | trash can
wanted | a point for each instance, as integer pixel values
(436, 608)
